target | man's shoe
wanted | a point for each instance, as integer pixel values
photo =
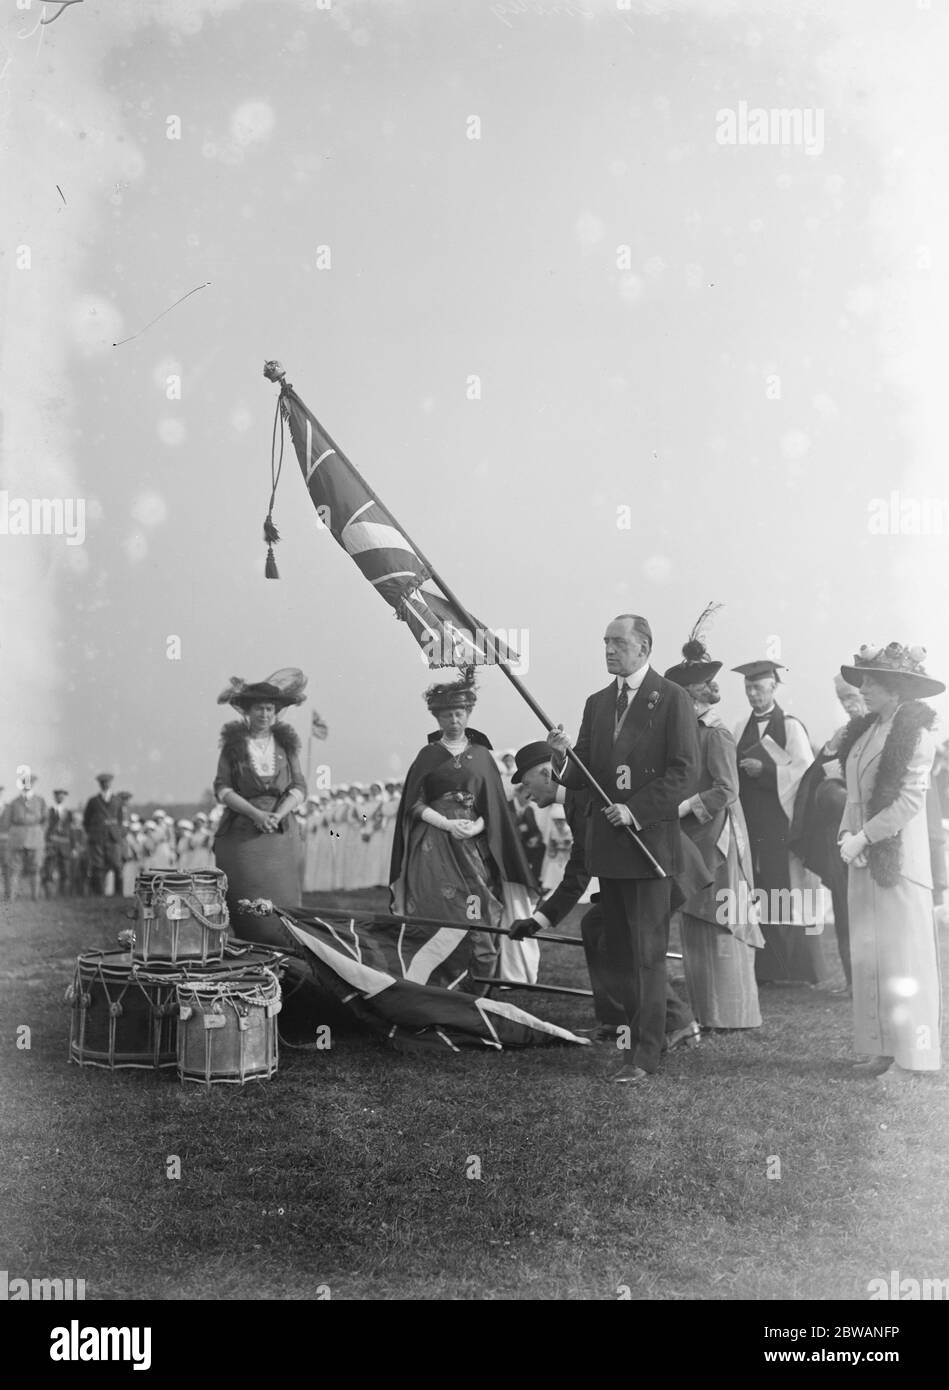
(602, 1033)
(689, 1036)
(628, 1074)
(872, 1066)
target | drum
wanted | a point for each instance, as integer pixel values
(227, 1024)
(122, 1017)
(181, 917)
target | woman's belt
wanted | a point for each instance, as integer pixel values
(263, 801)
(452, 800)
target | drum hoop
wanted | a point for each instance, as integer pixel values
(260, 992)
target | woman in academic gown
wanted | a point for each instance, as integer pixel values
(887, 755)
(260, 784)
(456, 854)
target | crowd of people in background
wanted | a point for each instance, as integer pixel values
(50, 850)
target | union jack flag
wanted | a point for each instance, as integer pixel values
(373, 539)
(401, 982)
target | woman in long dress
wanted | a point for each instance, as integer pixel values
(374, 834)
(390, 818)
(312, 830)
(339, 834)
(323, 863)
(352, 846)
(159, 851)
(202, 856)
(456, 855)
(260, 783)
(719, 937)
(887, 755)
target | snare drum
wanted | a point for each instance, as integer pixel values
(181, 917)
(227, 1025)
(121, 1016)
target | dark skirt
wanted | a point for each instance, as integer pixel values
(260, 865)
(454, 881)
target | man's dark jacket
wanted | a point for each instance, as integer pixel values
(651, 767)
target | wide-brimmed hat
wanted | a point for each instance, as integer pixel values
(458, 694)
(103, 778)
(893, 660)
(282, 688)
(531, 755)
(842, 687)
(60, 791)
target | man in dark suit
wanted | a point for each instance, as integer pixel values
(534, 772)
(638, 738)
(60, 840)
(104, 823)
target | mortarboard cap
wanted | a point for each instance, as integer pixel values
(755, 670)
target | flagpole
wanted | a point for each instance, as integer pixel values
(274, 371)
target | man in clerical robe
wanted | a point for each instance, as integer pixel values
(773, 754)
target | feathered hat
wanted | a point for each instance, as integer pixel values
(458, 694)
(696, 665)
(284, 687)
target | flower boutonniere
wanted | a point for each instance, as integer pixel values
(653, 700)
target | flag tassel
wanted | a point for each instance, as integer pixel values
(274, 371)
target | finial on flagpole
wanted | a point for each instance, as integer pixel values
(275, 371)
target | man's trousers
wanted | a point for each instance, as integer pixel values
(636, 938)
(607, 1009)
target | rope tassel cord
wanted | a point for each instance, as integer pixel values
(273, 371)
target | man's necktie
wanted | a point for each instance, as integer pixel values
(622, 700)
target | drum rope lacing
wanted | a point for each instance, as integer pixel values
(161, 894)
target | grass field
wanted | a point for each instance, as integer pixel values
(349, 1169)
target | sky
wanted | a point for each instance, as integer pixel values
(593, 358)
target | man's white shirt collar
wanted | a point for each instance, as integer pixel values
(634, 681)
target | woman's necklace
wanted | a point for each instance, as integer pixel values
(455, 747)
(261, 748)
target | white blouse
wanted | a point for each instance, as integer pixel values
(263, 756)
